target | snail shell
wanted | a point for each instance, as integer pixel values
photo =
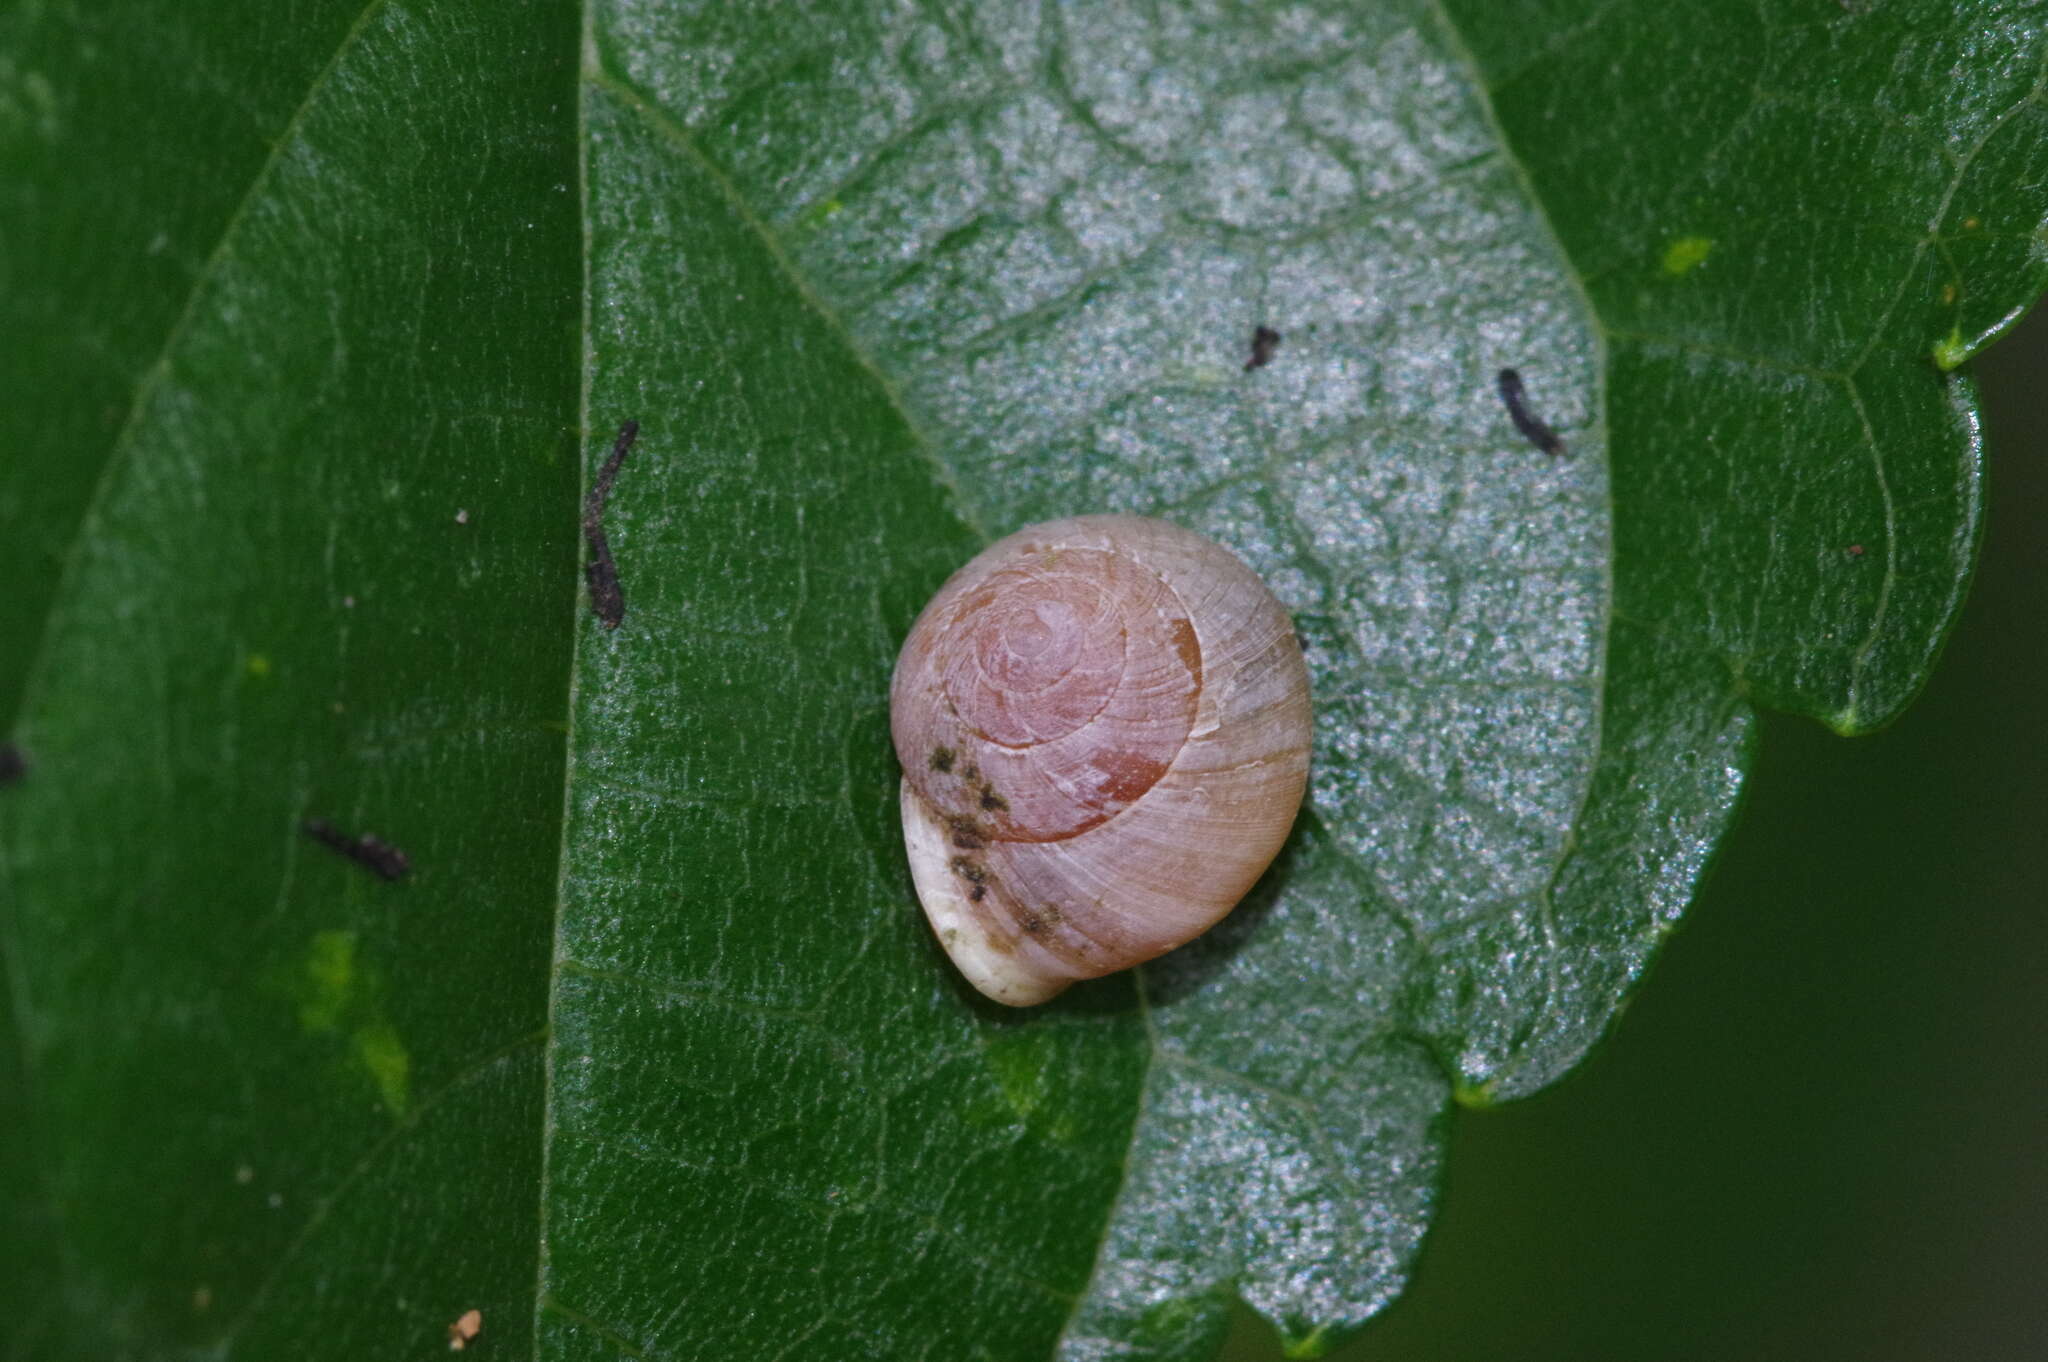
(1104, 729)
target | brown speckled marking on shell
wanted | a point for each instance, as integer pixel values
(1111, 714)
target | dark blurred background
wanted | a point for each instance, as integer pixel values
(1820, 1131)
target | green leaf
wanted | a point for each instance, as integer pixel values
(651, 1054)
(289, 325)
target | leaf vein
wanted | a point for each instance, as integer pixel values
(383, 1145)
(665, 125)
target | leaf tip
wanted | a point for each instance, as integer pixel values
(1476, 1096)
(1950, 350)
(1847, 723)
(1314, 1343)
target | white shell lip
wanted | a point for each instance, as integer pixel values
(1003, 976)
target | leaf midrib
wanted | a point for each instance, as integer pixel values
(594, 79)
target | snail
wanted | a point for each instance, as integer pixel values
(1104, 730)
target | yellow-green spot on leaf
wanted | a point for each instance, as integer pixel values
(1174, 1316)
(1021, 1065)
(1950, 350)
(383, 1054)
(326, 979)
(336, 993)
(258, 666)
(1846, 723)
(1018, 1066)
(1473, 1094)
(1684, 255)
(1314, 1343)
(822, 213)
(1311, 1344)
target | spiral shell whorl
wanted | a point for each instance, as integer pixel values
(1104, 730)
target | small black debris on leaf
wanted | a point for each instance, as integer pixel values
(378, 856)
(1533, 430)
(601, 572)
(13, 763)
(1265, 340)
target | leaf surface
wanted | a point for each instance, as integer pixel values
(651, 1054)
